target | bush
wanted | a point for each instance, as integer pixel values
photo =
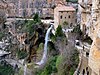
(21, 54)
(50, 67)
(67, 66)
(71, 71)
(1, 35)
(75, 58)
(61, 67)
(65, 23)
(59, 60)
(30, 24)
(36, 18)
(77, 29)
(88, 40)
(6, 70)
(59, 32)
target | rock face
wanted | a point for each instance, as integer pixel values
(94, 59)
(90, 25)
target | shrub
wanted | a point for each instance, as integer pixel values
(77, 29)
(88, 40)
(61, 67)
(6, 69)
(49, 68)
(21, 54)
(71, 71)
(59, 32)
(30, 24)
(1, 35)
(65, 23)
(36, 18)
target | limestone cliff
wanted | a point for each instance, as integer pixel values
(94, 59)
(90, 26)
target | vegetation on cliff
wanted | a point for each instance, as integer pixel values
(61, 60)
(21, 54)
(6, 69)
(1, 35)
(62, 56)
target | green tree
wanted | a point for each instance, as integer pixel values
(36, 18)
(30, 24)
(59, 32)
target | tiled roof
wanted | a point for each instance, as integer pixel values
(65, 8)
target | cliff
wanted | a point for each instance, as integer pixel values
(90, 26)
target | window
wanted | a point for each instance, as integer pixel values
(69, 16)
(83, 72)
(71, 24)
(61, 17)
(87, 54)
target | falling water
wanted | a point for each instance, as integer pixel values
(44, 58)
(25, 69)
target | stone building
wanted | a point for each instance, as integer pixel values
(63, 14)
(48, 10)
(47, 13)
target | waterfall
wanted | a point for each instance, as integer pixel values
(44, 58)
(25, 69)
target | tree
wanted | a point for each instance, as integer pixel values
(36, 18)
(59, 32)
(65, 24)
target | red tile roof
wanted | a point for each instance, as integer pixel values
(65, 8)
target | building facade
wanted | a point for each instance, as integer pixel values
(64, 14)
